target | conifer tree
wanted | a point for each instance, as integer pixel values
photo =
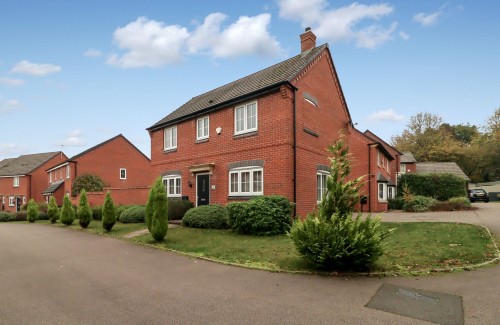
(53, 210)
(108, 213)
(84, 212)
(32, 211)
(157, 211)
(67, 212)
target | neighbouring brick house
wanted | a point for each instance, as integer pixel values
(408, 163)
(24, 178)
(124, 169)
(264, 134)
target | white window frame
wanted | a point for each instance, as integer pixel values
(15, 181)
(60, 173)
(170, 142)
(50, 177)
(67, 171)
(321, 186)
(177, 185)
(382, 192)
(24, 199)
(244, 108)
(251, 170)
(391, 192)
(205, 134)
(12, 201)
(124, 170)
(402, 167)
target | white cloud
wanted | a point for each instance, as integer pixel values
(385, 115)
(427, 19)
(92, 53)
(248, 35)
(11, 82)
(148, 43)
(35, 69)
(73, 139)
(342, 24)
(404, 35)
(10, 105)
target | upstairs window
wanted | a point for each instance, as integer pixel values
(202, 128)
(67, 171)
(16, 181)
(245, 118)
(170, 138)
(123, 173)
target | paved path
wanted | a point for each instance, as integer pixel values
(52, 275)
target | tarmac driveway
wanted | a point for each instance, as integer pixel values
(52, 275)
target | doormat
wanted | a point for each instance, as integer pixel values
(435, 307)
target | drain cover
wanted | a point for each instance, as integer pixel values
(439, 308)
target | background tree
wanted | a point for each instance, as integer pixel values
(53, 210)
(32, 211)
(157, 211)
(67, 212)
(108, 213)
(84, 212)
(87, 182)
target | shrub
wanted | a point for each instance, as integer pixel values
(83, 211)
(42, 206)
(419, 204)
(441, 186)
(263, 216)
(21, 216)
(396, 203)
(97, 212)
(177, 208)
(133, 214)
(108, 213)
(67, 212)
(206, 216)
(42, 216)
(53, 210)
(32, 211)
(340, 243)
(157, 211)
(119, 210)
(88, 182)
(453, 204)
(7, 216)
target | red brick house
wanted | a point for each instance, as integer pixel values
(125, 170)
(266, 133)
(408, 163)
(24, 178)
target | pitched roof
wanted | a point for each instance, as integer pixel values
(283, 72)
(53, 187)
(441, 167)
(375, 137)
(5, 161)
(83, 153)
(407, 158)
(380, 145)
(25, 164)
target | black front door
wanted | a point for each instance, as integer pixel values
(202, 189)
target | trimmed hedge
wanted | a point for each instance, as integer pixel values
(133, 214)
(441, 186)
(453, 204)
(396, 203)
(263, 215)
(97, 212)
(206, 216)
(42, 206)
(178, 208)
(7, 216)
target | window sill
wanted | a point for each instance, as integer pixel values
(201, 140)
(170, 150)
(243, 197)
(245, 135)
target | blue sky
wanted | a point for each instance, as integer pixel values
(76, 73)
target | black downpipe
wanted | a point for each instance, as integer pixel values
(294, 153)
(369, 180)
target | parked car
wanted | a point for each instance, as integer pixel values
(478, 195)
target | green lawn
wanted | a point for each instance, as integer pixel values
(411, 247)
(119, 229)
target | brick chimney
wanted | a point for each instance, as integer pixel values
(307, 40)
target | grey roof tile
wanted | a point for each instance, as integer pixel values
(407, 158)
(284, 71)
(441, 167)
(25, 164)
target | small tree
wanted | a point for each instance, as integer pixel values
(32, 211)
(88, 182)
(53, 210)
(108, 213)
(67, 212)
(84, 212)
(157, 211)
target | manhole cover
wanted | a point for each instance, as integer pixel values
(436, 307)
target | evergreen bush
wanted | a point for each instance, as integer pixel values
(133, 214)
(53, 210)
(453, 204)
(396, 203)
(32, 215)
(88, 182)
(67, 212)
(178, 208)
(97, 212)
(21, 216)
(7, 216)
(157, 211)
(108, 213)
(83, 211)
(441, 186)
(419, 204)
(206, 216)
